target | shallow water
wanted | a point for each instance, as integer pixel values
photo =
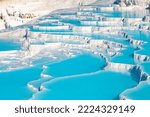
(146, 67)
(139, 35)
(78, 65)
(126, 57)
(70, 72)
(14, 84)
(7, 44)
(102, 85)
(141, 92)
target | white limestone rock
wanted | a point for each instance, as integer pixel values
(119, 67)
(133, 2)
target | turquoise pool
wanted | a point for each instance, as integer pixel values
(74, 68)
(141, 92)
(101, 85)
(8, 44)
(13, 85)
(77, 65)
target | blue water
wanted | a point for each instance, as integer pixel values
(110, 37)
(128, 14)
(139, 35)
(71, 21)
(47, 24)
(145, 49)
(102, 85)
(13, 85)
(141, 92)
(6, 45)
(123, 59)
(126, 57)
(82, 77)
(146, 67)
(78, 65)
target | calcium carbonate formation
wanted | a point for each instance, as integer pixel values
(96, 45)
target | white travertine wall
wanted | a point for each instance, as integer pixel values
(29, 9)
